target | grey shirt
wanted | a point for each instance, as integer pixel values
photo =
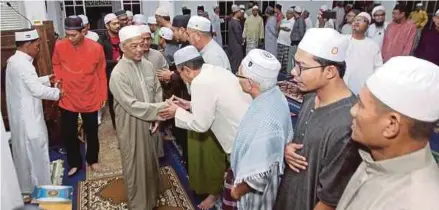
(331, 155)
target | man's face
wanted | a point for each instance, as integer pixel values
(194, 37)
(276, 10)
(308, 73)
(369, 123)
(123, 20)
(113, 26)
(180, 34)
(418, 8)
(244, 82)
(360, 24)
(436, 21)
(130, 21)
(379, 16)
(255, 12)
(217, 10)
(397, 15)
(146, 41)
(33, 48)
(152, 27)
(186, 74)
(134, 48)
(350, 17)
(75, 36)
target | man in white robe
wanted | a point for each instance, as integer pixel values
(363, 55)
(200, 37)
(216, 25)
(378, 28)
(24, 92)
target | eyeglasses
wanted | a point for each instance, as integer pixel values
(300, 68)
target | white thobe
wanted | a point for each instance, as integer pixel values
(24, 92)
(11, 195)
(216, 27)
(363, 57)
(213, 54)
(408, 182)
(217, 103)
(377, 34)
(92, 35)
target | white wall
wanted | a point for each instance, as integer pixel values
(389, 8)
(55, 14)
(35, 10)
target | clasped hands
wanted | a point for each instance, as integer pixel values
(173, 104)
(165, 75)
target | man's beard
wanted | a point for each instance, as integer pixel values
(379, 24)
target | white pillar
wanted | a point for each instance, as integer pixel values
(35, 10)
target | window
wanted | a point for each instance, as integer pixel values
(74, 8)
(225, 11)
(133, 6)
(10, 20)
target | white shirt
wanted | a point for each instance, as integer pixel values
(217, 103)
(377, 34)
(92, 35)
(213, 54)
(362, 58)
(408, 182)
(284, 36)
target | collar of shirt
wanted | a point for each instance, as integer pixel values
(206, 48)
(401, 164)
(24, 55)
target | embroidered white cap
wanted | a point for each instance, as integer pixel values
(262, 67)
(84, 19)
(378, 8)
(185, 54)
(365, 15)
(152, 20)
(129, 13)
(298, 9)
(325, 43)
(109, 17)
(129, 32)
(255, 7)
(199, 23)
(409, 86)
(235, 8)
(139, 19)
(437, 13)
(26, 35)
(166, 33)
(162, 11)
(144, 29)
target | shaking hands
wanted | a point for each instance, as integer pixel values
(173, 104)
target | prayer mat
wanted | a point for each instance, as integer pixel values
(110, 161)
(109, 193)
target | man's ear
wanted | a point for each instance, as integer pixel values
(330, 72)
(122, 47)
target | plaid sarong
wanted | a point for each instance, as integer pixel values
(228, 203)
(250, 45)
(283, 55)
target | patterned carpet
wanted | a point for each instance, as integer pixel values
(109, 193)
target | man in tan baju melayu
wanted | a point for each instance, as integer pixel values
(137, 100)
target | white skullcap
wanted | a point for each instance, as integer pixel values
(199, 23)
(129, 13)
(152, 20)
(162, 11)
(298, 9)
(166, 33)
(144, 29)
(255, 7)
(235, 8)
(26, 35)
(139, 19)
(84, 19)
(109, 17)
(419, 4)
(378, 8)
(365, 15)
(409, 86)
(325, 43)
(324, 7)
(129, 32)
(185, 54)
(437, 13)
(216, 6)
(242, 6)
(262, 67)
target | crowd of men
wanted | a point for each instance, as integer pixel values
(360, 141)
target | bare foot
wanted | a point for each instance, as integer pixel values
(208, 203)
(72, 171)
(95, 167)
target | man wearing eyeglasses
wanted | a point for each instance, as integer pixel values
(377, 29)
(363, 55)
(321, 157)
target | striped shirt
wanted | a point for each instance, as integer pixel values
(409, 182)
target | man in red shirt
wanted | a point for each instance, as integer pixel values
(110, 42)
(278, 11)
(79, 65)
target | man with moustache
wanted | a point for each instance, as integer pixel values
(123, 18)
(394, 119)
(110, 42)
(378, 28)
(363, 55)
(321, 157)
(179, 27)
